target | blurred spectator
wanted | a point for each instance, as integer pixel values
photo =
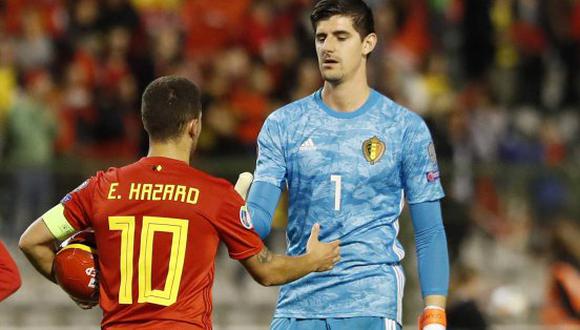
(84, 21)
(430, 92)
(412, 42)
(35, 48)
(467, 295)
(259, 25)
(8, 86)
(562, 304)
(115, 133)
(563, 28)
(550, 196)
(167, 52)
(458, 225)
(488, 124)
(528, 35)
(77, 109)
(250, 103)
(119, 13)
(31, 132)
(211, 25)
(307, 80)
(477, 38)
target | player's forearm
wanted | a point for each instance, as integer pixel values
(269, 269)
(285, 269)
(39, 247)
(432, 257)
(42, 258)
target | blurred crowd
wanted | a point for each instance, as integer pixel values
(497, 81)
(501, 76)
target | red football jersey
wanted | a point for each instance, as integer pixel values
(158, 223)
(9, 275)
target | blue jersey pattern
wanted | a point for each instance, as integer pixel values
(350, 172)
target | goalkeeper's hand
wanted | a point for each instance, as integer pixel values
(433, 318)
(243, 184)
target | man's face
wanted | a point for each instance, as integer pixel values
(339, 48)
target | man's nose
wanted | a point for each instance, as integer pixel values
(329, 45)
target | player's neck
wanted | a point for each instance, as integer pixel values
(347, 96)
(171, 150)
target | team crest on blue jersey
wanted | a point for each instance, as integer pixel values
(245, 218)
(373, 149)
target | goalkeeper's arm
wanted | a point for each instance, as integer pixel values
(433, 262)
(262, 200)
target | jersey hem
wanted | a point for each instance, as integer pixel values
(333, 315)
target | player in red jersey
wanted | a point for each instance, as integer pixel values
(158, 223)
(9, 276)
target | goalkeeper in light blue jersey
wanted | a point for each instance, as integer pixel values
(350, 158)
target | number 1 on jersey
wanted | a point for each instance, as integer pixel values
(337, 179)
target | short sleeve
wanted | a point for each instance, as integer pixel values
(78, 204)
(271, 162)
(234, 227)
(420, 171)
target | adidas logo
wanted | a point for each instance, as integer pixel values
(307, 145)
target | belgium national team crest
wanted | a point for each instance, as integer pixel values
(373, 149)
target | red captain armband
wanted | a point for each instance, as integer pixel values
(433, 318)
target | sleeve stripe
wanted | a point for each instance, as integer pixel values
(57, 223)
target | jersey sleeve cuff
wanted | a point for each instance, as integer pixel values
(57, 223)
(248, 253)
(271, 180)
(426, 199)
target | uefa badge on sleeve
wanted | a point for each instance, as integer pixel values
(245, 218)
(66, 198)
(433, 176)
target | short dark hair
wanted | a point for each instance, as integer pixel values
(358, 10)
(168, 104)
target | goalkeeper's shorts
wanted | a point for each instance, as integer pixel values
(348, 323)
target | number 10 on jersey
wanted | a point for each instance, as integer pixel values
(151, 225)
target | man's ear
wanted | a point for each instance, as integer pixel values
(369, 43)
(194, 127)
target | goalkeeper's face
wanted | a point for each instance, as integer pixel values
(341, 51)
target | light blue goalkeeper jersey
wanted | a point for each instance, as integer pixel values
(350, 172)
